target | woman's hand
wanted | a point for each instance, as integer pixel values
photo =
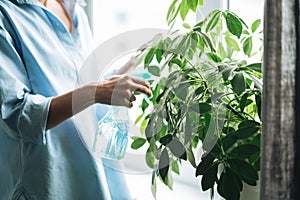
(118, 90)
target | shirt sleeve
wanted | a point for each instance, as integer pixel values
(23, 113)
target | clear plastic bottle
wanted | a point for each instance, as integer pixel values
(111, 139)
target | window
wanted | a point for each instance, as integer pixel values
(111, 18)
(114, 17)
(249, 10)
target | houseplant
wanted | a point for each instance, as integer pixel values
(208, 102)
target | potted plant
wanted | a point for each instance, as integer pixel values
(208, 103)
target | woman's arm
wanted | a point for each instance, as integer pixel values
(115, 91)
(130, 64)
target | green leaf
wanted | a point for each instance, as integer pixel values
(164, 164)
(232, 43)
(198, 26)
(188, 129)
(171, 9)
(164, 130)
(212, 20)
(226, 71)
(139, 118)
(192, 4)
(255, 66)
(214, 57)
(204, 165)
(143, 125)
(209, 178)
(200, 90)
(144, 105)
(246, 132)
(153, 184)
(172, 12)
(177, 149)
(158, 54)
(221, 51)
(247, 46)
(187, 26)
(221, 184)
(177, 62)
(169, 181)
(207, 41)
(175, 167)
(196, 138)
(149, 57)
(255, 25)
(256, 81)
(182, 90)
(244, 150)
(137, 143)
(184, 9)
(182, 46)
(234, 24)
(200, 2)
(193, 46)
(166, 139)
(247, 128)
(200, 107)
(150, 158)
(246, 32)
(257, 165)
(229, 186)
(191, 157)
(238, 83)
(253, 158)
(257, 140)
(228, 130)
(243, 101)
(258, 104)
(244, 170)
(248, 124)
(228, 141)
(154, 70)
(204, 107)
(153, 126)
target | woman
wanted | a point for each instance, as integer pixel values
(43, 44)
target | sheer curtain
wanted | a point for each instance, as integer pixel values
(281, 61)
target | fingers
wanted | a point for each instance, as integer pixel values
(118, 90)
(127, 103)
(134, 84)
(140, 85)
(141, 89)
(124, 101)
(132, 98)
(140, 81)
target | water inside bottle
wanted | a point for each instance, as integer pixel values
(111, 140)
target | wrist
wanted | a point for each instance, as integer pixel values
(90, 93)
(95, 92)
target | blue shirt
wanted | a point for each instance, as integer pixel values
(40, 59)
